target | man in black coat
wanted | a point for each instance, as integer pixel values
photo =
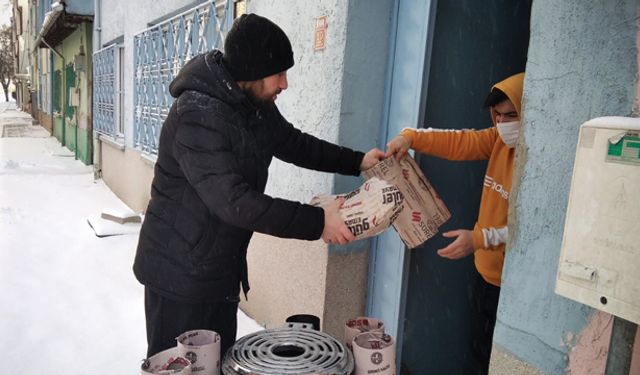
(207, 195)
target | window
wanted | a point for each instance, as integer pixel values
(159, 53)
(108, 85)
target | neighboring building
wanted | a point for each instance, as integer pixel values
(23, 43)
(41, 68)
(64, 72)
(364, 70)
(583, 63)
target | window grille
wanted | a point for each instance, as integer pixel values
(159, 53)
(106, 91)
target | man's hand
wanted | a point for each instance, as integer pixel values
(371, 158)
(335, 230)
(460, 247)
(398, 147)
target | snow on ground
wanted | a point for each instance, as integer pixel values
(71, 304)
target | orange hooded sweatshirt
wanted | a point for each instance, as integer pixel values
(490, 231)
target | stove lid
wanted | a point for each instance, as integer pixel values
(289, 350)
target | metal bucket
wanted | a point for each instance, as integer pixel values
(293, 349)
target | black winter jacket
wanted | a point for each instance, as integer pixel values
(207, 195)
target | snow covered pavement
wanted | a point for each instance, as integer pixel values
(71, 304)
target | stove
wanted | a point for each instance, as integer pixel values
(293, 349)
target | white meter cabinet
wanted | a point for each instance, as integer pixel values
(600, 257)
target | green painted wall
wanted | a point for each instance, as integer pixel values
(74, 130)
(85, 145)
(57, 127)
(57, 80)
(70, 82)
(85, 141)
(57, 98)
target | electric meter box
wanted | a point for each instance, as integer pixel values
(600, 257)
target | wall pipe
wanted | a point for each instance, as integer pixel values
(97, 44)
(623, 335)
(97, 21)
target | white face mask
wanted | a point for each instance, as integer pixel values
(509, 132)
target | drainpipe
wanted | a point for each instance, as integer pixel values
(75, 135)
(97, 44)
(97, 21)
(64, 76)
(623, 335)
(76, 127)
(50, 83)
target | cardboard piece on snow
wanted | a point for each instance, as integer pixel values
(369, 209)
(120, 216)
(424, 212)
(105, 228)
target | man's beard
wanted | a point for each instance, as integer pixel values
(258, 102)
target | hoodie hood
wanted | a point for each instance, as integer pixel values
(206, 74)
(512, 87)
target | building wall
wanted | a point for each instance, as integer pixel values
(45, 120)
(582, 64)
(56, 78)
(74, 81)
(42, 6)
(332, 96)
(23, 46)
(335, 94)
(41, 83)
(127, 172)
(41, 69)
(126, 164)
(82, 7)
(312, 104)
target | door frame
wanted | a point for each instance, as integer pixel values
(405, 97)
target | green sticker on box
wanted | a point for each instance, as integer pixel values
(624, 148)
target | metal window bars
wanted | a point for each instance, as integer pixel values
(159, 53)
(105, 93)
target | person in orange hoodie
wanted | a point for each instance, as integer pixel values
(488, 238)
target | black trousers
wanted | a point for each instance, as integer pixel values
(167, 319)
(483, 321)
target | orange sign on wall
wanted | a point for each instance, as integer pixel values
(321, 33)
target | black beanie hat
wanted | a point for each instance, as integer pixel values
(256, 48)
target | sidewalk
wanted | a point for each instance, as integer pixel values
(71, 304)
(14, 123)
